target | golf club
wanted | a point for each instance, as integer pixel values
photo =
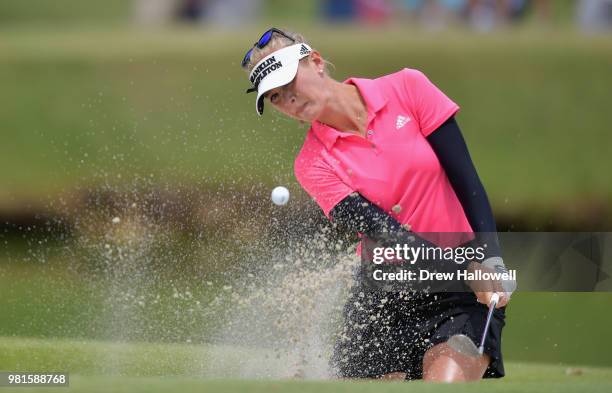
(463, 344)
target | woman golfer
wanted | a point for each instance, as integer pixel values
(386, 155)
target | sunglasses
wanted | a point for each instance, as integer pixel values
(262, 42)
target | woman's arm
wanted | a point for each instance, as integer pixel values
(359, 214)
(449, 145)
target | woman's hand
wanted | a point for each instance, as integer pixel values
(484, 289)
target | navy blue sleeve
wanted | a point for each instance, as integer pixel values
(359, 214)
(451, 149)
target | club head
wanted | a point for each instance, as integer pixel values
(464, 345)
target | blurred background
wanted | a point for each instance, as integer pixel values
(135, 174)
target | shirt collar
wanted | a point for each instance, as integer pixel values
(374, 100)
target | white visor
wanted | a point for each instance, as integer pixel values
(275, 70)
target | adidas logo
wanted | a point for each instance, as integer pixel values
(401, 121)
(304, 50)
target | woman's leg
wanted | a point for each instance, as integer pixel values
(443, 364)
(396, 376)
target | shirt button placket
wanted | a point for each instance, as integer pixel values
(369, 134)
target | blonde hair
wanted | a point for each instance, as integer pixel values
(278, 42)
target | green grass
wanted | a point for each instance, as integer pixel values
(536, 379)
(62, 12)
(107, 366)
(83, 107)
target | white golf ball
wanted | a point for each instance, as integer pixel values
(280, 195)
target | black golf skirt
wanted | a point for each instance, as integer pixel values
(385, 332)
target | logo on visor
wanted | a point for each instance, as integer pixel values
(304, 50)
(264, 69)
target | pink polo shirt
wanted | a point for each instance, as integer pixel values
(394, 166)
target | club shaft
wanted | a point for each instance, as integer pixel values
(486, 328)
